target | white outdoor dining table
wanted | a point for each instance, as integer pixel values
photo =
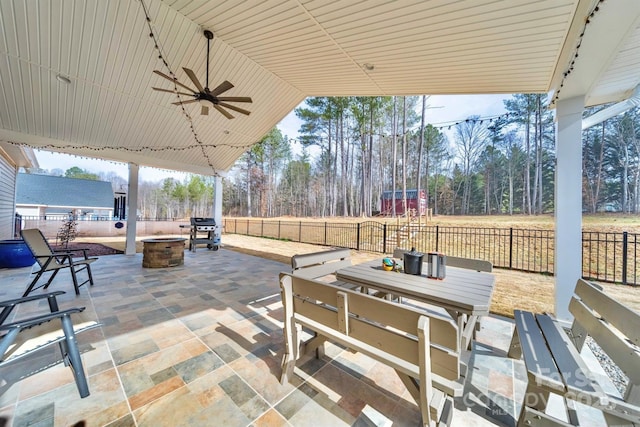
(465, 294)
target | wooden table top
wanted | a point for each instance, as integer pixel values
(462, 290)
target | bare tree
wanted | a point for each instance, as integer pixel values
(470, 137)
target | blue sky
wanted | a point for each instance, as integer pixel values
(443, 108)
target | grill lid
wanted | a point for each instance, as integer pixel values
(202, 221)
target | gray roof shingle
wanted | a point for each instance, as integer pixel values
(50, 190)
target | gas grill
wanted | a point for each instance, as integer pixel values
(203, 233)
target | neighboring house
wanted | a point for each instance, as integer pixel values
(12, 157)
(55, 197)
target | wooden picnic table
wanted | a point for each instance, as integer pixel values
(465, 294)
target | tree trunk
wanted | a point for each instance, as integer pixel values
(343, 169)
(540, 153)
(249, 185)
(369, 195)
(599, 176)
(424, 105)
(404, 154)
(394, 158)
(527, 176)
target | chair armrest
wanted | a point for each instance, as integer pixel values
(13, 302)
(37, 320)
(57, 255)
(71, 251)
(60, 253)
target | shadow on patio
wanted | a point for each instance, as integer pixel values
(201, 345)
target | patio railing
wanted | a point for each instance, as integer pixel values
(606, 257)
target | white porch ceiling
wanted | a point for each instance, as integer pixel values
(278, 52)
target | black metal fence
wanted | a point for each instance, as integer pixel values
(606, 257)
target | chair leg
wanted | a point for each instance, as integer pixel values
(33, 283)
(5, 314)
(53, 275)
(90, 275)
(73, 354)
(75, 280)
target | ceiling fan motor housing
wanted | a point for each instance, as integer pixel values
(204, 93)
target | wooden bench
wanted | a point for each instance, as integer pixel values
(319, 264)
(470, 263)
(421, 347)
(554, 364)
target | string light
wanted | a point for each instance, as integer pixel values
(572, 64)
(441, 125)
(199, 143)
(480, 120)
(60, 147)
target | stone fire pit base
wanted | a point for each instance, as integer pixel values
(163, 252)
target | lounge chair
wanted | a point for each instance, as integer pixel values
(54, 261)
(20, 338)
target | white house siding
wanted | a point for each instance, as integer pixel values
(8, 174)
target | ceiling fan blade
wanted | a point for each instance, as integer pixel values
(185, 102)
(234, 108)
(204, 110)
(193, 78)
(171, 91)
(222, 111)
(161, 74)
(234, 98)
(222, 87)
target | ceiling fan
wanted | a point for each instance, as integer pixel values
(205, 96)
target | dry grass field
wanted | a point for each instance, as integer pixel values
(514, 290)
(605, 222)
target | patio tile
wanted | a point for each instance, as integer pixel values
(263, 375)
(64, 407)
(193, 346)
(270, 418)
(134, 351)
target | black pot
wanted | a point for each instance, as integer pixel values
(413, 262)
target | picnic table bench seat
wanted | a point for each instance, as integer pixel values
(422, 347)
(554, 364)
(322, 265)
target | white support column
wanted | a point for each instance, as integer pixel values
(132, 210)
(568, 202)
(217, 206)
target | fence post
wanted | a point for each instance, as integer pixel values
(384, 238)
(510, 248)
(625, 243)
(278, 230)
(358, 238)
(262, 228)
(325, 233)
(300, 232)
(437, 238)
